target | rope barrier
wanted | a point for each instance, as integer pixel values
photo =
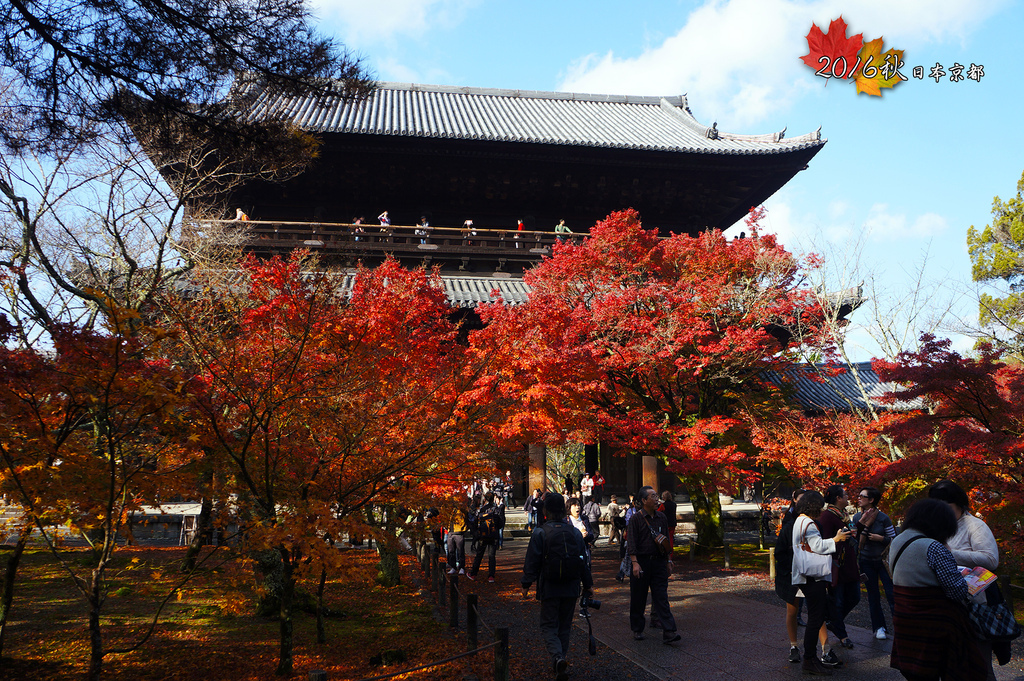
(433, 664)
(480, 617)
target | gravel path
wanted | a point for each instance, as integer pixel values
(501, 605)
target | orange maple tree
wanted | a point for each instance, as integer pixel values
(326, 406)
(656, 345)
(818, 450)
(90, 432)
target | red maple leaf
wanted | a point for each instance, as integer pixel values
(835, 46)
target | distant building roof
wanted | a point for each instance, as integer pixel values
(470, 291)
(836, 392)
(462, 291)
(613, 121)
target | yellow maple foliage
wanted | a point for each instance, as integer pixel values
(874, 75)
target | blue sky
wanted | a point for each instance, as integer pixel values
(889, 198)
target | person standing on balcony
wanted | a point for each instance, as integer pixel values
(422, 229)
(561, 229)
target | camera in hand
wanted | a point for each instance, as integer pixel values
(588, 602)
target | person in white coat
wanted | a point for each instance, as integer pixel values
(811, 574)
(972, 546)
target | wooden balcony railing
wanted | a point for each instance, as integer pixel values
(404, 238)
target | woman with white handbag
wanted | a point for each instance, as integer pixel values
(812, 573)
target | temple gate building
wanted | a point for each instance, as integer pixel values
(497, 158)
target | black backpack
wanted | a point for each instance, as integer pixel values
(563, 560)
(488, 523)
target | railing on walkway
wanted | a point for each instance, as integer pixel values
(447, 592)
(371, 238)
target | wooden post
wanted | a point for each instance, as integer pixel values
(471, 628)
(317, 675)
(442, 591)
(538, 476)
(453, 602)
(501, 654)
(771, 563)
(725, 548)
(1007, 589)
(693, 548)
(434, 555)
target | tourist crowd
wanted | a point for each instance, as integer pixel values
(945, 606)
(935, 570)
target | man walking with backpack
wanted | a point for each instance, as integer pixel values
(555, 559)
(489, 521)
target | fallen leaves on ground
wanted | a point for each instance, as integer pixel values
(210, 632)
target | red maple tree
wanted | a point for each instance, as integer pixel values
(327, 408)
(971, 431)
(657, 346)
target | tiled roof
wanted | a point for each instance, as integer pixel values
(835, 393)
(469, 291)
(465, 291)
(649, 123)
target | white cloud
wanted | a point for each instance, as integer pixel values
(725, 53)
(803, 232)
(837, 209)
(365, 23)
(739, 59)
(881, 225)
(783, 223)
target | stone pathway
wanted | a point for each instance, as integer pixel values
(725, 636)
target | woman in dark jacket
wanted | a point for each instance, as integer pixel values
(783, 579)
(932, 636)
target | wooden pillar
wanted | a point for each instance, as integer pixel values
(538, 468)
(590, 458)
(632, 483)
(650, 464)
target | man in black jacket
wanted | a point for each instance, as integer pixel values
(555, 559)
(649, 545)
(489, 523)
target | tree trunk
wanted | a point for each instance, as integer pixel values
(271, 569)
(707, 513)
(388, 572)
(95, 635)
(204, 534)
(284, 665)
(321, 633)
(10, 572)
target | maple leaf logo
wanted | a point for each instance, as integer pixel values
(832, 54)
(879, 70)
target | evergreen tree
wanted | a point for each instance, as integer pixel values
(997, 257)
